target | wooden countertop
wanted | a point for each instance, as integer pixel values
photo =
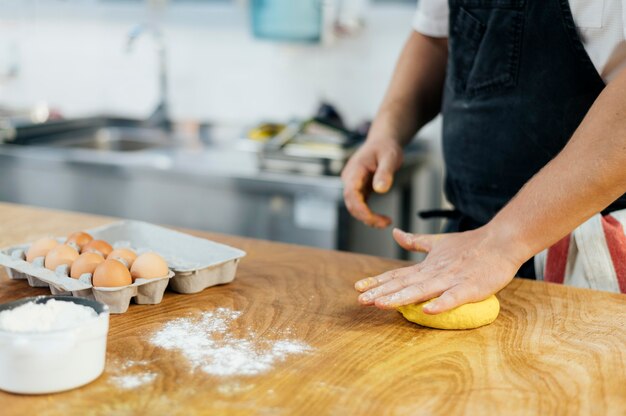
(553, 350)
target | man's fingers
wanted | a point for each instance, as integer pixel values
(383, 177)
(360, 176)
(415, 293)
(355, 174)
(398, 280)
(372, 282)
(415, 242)
(354, 194)
(370, 297)
(356, 205)
(452, 298)
(355, 182)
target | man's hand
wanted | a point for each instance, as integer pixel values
(371, 168)
(460, 268)
(412, 100)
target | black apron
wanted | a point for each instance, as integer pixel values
(518, 84)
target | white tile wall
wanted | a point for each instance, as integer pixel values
(71, 55)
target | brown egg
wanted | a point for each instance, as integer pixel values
(85, 263)
(111, 273)
(61, 254)
(81, 239)
(125, 254)
(149, 266)
(100, 246)
(40, 248)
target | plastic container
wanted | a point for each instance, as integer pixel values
(53, 361)
(287, 20)
(195, 265)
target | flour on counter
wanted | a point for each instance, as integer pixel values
(41, 317)
(130, 374)
(206, 343)
(230, 389)
(130, 364)
(132, 381)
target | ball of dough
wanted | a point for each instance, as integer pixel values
(468, 316)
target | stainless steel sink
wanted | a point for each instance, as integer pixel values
(102, 134)
(113, 139)
(129, 169)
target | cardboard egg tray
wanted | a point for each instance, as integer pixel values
(195, 264)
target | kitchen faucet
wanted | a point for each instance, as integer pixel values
(160, 115)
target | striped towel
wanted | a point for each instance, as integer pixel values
(593, 256)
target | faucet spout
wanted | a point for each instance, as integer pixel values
(160, 115)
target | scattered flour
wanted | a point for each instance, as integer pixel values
(207, 345)
(130, 374)
(41, 317)
(130, 364)
(234, 388)
(132, 381)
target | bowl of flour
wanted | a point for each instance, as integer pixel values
(50, 344)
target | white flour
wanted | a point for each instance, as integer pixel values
(131, 374)
(41, 317)
(132, 381)
(207, 345)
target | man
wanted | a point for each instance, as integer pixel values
(533, 98)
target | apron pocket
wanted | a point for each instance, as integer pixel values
(485, 45)
(467, 33)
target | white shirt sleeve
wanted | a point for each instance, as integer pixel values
(431, 18)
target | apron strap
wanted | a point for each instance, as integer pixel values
(439, 213)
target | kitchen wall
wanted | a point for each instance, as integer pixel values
(71, 55)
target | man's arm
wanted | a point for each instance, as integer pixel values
(414, 94)
(583, 179)
(412, 99)
(586, 177)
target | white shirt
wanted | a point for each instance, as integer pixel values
(601, 25)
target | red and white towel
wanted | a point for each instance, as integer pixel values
(593, 256)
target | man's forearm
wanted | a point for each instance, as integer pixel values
(414, 94)
(586, 177)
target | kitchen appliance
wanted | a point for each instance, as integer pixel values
(314, 147)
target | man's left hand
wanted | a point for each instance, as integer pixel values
(459, 268)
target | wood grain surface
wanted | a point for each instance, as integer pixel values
(553, 351)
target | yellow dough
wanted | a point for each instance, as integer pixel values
(468, 316)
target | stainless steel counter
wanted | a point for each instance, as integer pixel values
(209, 187)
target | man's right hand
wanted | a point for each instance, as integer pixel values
(371, 168)
(412, 100)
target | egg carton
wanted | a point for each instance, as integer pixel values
(145, 291)
(195, 264)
